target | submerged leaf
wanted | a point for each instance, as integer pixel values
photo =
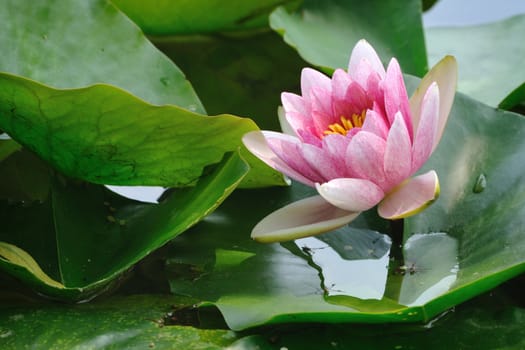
(13, 255)
(85, 245)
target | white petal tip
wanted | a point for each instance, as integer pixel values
(411, 198)
(307, 217)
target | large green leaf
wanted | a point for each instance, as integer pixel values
(75, 43)
(450, 250)
(162, 17)
(133, 322)
(104, 135)
(490, 58)
(324, 31)
(84, 236)
(492, 321)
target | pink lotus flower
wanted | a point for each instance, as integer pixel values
(358, 140)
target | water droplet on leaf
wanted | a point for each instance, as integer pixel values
(481, 184)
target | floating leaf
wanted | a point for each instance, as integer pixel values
(490, 58)
(324, 32)
(490, 322)
(132, 322)
(73, 44)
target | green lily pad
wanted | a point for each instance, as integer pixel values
(132, 322)
(201, 16)
(490, 58)
(450, 250)
(102, 134)
(488, 322)
(83, 237)
(73, 44)
(324, 32)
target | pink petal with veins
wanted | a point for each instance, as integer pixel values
(340, 82)
(427, 128)
(288, 149)
(365, 157)
(312, 78)
(375, 124)
(396, 98)
(322, 162)
(445, 75)
(398, 152)
(256, 143)
(363, 51)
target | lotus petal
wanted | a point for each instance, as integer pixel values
(306, 217)
(351, 194)
(445, 74)
(411, 197)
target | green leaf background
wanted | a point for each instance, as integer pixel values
(324, 32)
(491, 63)
(73, 44)
(160, 17)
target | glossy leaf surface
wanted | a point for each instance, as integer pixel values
(490, 58)
(104, 135)
(489, 322)
(132, 322)
(73, 44)
(323, 32)
(160, 17)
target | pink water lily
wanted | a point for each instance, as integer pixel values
(358, 140)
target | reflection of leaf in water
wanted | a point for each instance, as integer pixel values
(351, 262)
(353, 243)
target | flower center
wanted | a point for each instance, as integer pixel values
(346, 124)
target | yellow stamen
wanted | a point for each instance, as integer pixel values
(345, 125)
